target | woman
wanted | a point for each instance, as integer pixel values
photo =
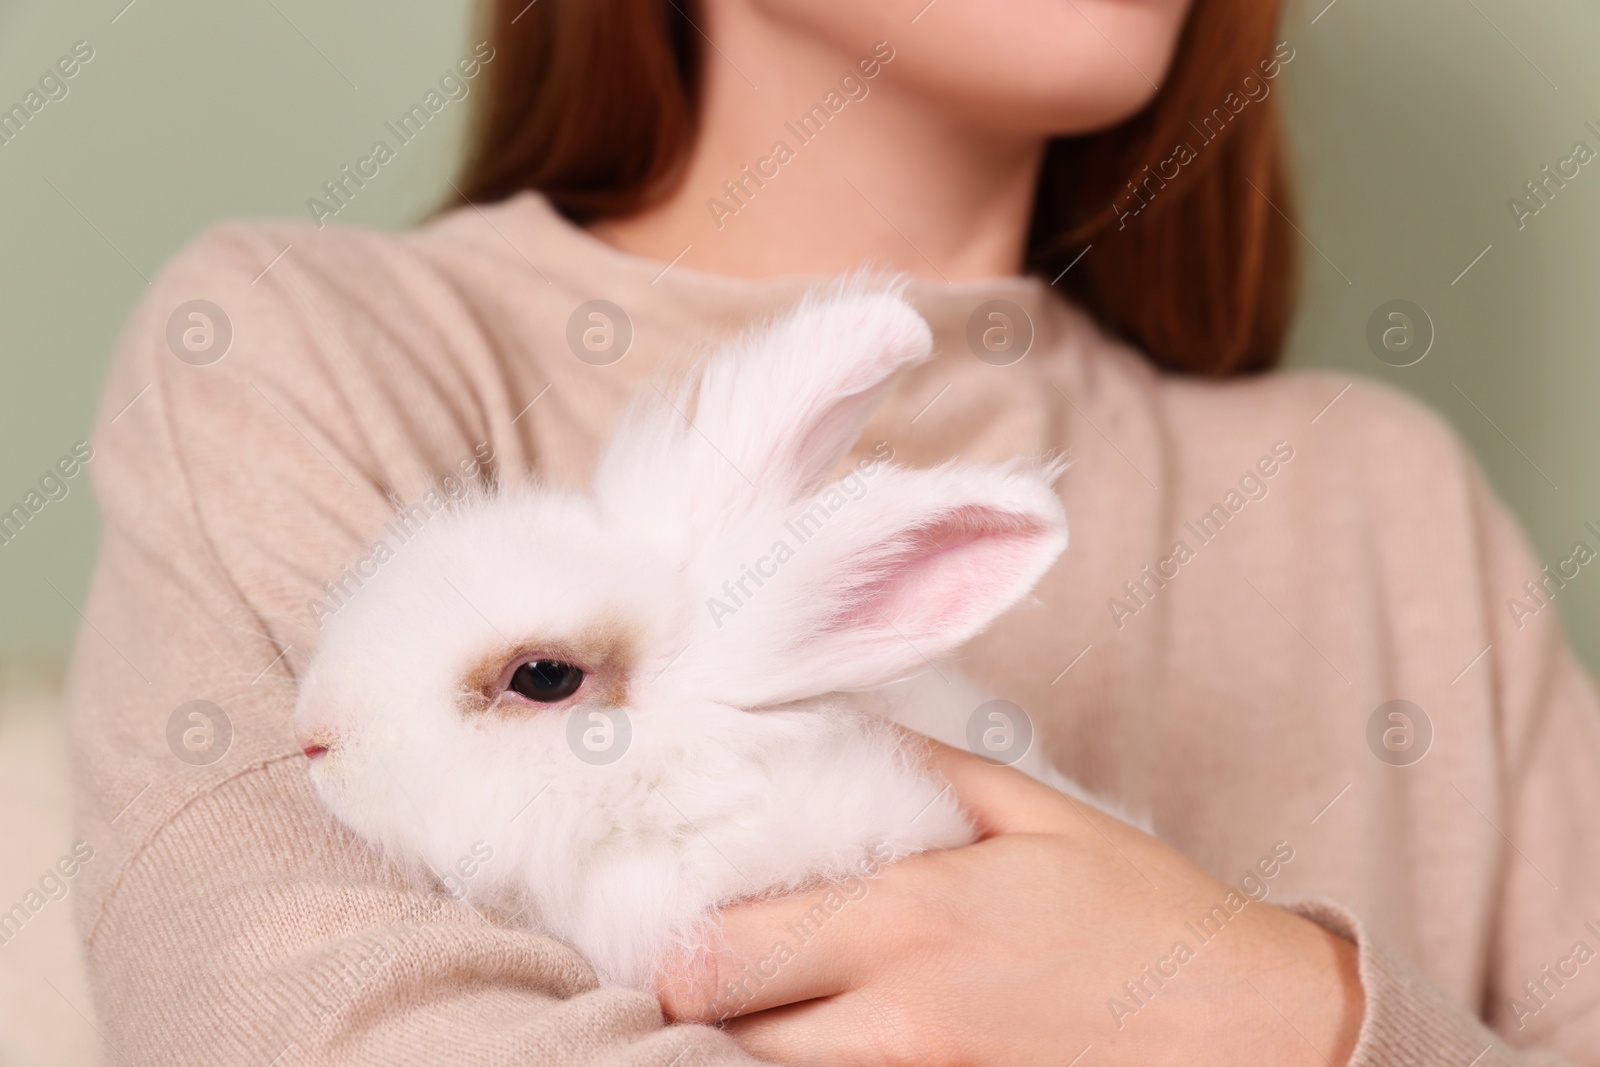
(1278, 632)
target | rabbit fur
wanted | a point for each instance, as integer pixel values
(729, 739)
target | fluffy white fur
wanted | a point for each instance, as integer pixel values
(759, 759)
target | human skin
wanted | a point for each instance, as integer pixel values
(1005, 951)
(933, 172)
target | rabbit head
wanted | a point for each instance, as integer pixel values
(621, 706)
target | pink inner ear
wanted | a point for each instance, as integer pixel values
(829, 438)
(944, 580)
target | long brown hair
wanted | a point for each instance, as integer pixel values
(1183, 208)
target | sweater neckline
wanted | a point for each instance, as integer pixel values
(958, 312)
(540, 214)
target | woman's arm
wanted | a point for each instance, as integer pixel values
(1543, 811)
(228, 919)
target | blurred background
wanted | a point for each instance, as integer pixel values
(1414, 126)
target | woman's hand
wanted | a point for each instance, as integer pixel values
(1053, 937)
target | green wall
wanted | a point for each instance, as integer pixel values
(1412, 124)
(191, 111)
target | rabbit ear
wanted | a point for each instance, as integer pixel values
(879, 582)
(770, 416)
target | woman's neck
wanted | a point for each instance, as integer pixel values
(779, 182)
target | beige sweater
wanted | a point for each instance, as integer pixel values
(1339, 550)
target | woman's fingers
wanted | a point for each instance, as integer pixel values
(1001, 799)
(775, 952)
(821, 942)
(838, 1031)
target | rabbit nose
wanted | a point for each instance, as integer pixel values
(316, 743)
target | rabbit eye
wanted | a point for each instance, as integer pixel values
(546, 681)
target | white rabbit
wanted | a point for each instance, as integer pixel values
(620, 710)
